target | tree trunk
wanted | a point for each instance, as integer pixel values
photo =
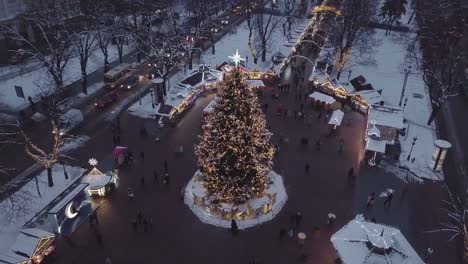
(264, 51)
(338, 74)
(50, 181)
(120, 50)
(465, 249)
(84, 78)
(106, 62)
(435, 111)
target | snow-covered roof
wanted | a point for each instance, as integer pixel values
(69, 197)
(363, 242)
(376, 145)
(95, 178)
(177, 94)
(322, 97)
(255, 83)
(200, 76)
(25, 245)
(371, 96)
(387, 117)
(336, 118)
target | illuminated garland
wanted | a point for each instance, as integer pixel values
(252, 51)
(235, 153)
(324, 8)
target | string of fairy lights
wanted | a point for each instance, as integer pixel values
(235, 153)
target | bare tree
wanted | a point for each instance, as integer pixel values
(438, 57)
(53, 52)
(352, 31)
(264, 24)
(198, 14)
(456, 224)
(83, 37)
(289, 7)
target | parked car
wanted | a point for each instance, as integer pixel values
(107, 99)
(70, 120)
(130, 83)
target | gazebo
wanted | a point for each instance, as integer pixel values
(363, 242)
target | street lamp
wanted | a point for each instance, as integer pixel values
(404, 105)
(152, 98)
(412, 146)
(407, 72)
(213, 30)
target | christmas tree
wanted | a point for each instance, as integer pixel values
(235, 153)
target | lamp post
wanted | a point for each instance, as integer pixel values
(412, 146)
(213, 30)
(404, 105)
(407, 72)
(152, 98)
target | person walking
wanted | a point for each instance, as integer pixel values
(307, 167)
(351, 174)
(139, 217)
(142, 156)
(298, 218)
(388, 199)
(108, 260)
(341, 146)
(370, 200)
(234, 227)
(427, 257)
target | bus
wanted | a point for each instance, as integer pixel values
(117, 75)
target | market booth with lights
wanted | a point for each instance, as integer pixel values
(33, 245)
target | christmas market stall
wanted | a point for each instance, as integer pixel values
(324, 101)
(336, 119)
(100, 184)
(364, 242)
(32, 246)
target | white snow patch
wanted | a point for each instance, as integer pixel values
(388, 75)
(145, 109)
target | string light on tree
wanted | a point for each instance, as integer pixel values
(235, 154)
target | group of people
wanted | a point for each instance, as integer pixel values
(143, 223)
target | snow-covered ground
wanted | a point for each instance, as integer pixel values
(145, 109)
(36, 82)
(30, 200)
(238, 39)
(387, 75)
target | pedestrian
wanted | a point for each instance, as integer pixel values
(388, 199)
(291, 232)
(373, 220)
(320, 114)
(429, 252)
(341, 146)
(114, 140)
(317, 144)
(99, 238)
(307, 168)
(155, 176)
(348, 123)
(282, 233)
(142, 156)
(370, 200)
(234, 227)
(118, 139)
(108, 260)
(151, 224)
(130, 193)
(165, 166)
(139, 216)
(145, 225)
(331, 218)
(142, 180)
(298, 218)
(166, 178)
(351, 174)
(181, 193)
(134, 225)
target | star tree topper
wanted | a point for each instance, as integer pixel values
(236, 58)
(92, 161)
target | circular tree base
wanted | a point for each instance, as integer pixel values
(254, 212)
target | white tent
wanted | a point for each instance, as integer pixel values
(336, 118)
(322, 97)
(363, 242)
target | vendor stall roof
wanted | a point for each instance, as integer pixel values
(176, 94)
(336, 118)
(62, 201)
(376, 145)
(371, 96)
(255, 83)
(322, 97)
(25, 245)
(386, 116)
